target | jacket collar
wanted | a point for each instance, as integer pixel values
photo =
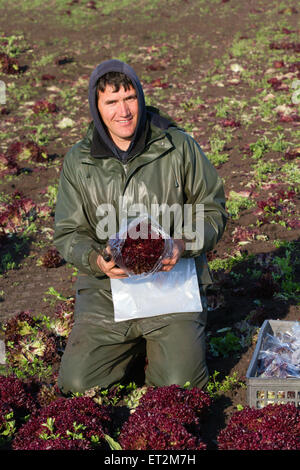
(97, 148)
(100, 150)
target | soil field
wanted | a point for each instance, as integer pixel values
(228, 72)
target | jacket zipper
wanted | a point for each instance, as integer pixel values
(125, 167)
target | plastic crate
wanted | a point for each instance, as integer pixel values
(262, 391)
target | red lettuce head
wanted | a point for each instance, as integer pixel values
(274, 427)
(8, 65)
(66, 423)
(140, 251)
(167, 418)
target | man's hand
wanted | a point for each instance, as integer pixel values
(109, 267)
(178, 249)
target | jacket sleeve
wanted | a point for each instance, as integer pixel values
(73, 235)
(206, 217)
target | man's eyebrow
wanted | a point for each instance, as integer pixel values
(110, 101)
(133, 95)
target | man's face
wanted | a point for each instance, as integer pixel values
(119, 112)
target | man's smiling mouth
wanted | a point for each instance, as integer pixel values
(124, 121)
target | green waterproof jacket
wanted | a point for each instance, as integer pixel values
(172, 169)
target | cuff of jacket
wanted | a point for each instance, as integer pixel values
(193, 244)
(93, 262)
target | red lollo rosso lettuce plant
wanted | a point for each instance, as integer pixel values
(34, 344)
(275, 207)
(244, 235)
(51, 259)
(8, 165)
(146, 430)
(17, 395)
(8, 65)
(45, 393)
(230, 123)
(17, 212)
(274, 427)
(18, 152)
(31, 347)
(277, 84)
(293, 117)
(294, 46)
(62, 322)
(292, 154)
(278, 64)
(173, 397)
(294, 67)
(167, 418)
(29, 150)
(4, 110)
(7, 424)
(48, 76)
(157, 83)
(44, 106)
(140, 254)
(66, 424)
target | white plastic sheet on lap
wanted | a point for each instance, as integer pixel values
(158, 294)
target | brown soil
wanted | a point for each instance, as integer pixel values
(180, 44)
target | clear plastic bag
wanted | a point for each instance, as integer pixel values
(278, 345)
(280, 367)
(280, 354)
(140, 246)
(295, 333)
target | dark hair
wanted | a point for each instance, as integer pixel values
(115, 79)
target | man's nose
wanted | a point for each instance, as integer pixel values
(124, 108)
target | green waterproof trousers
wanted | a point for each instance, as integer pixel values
(99, 350)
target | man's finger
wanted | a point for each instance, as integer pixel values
(168, 267)
(169, 260)
(118, 277)
(117, 272)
